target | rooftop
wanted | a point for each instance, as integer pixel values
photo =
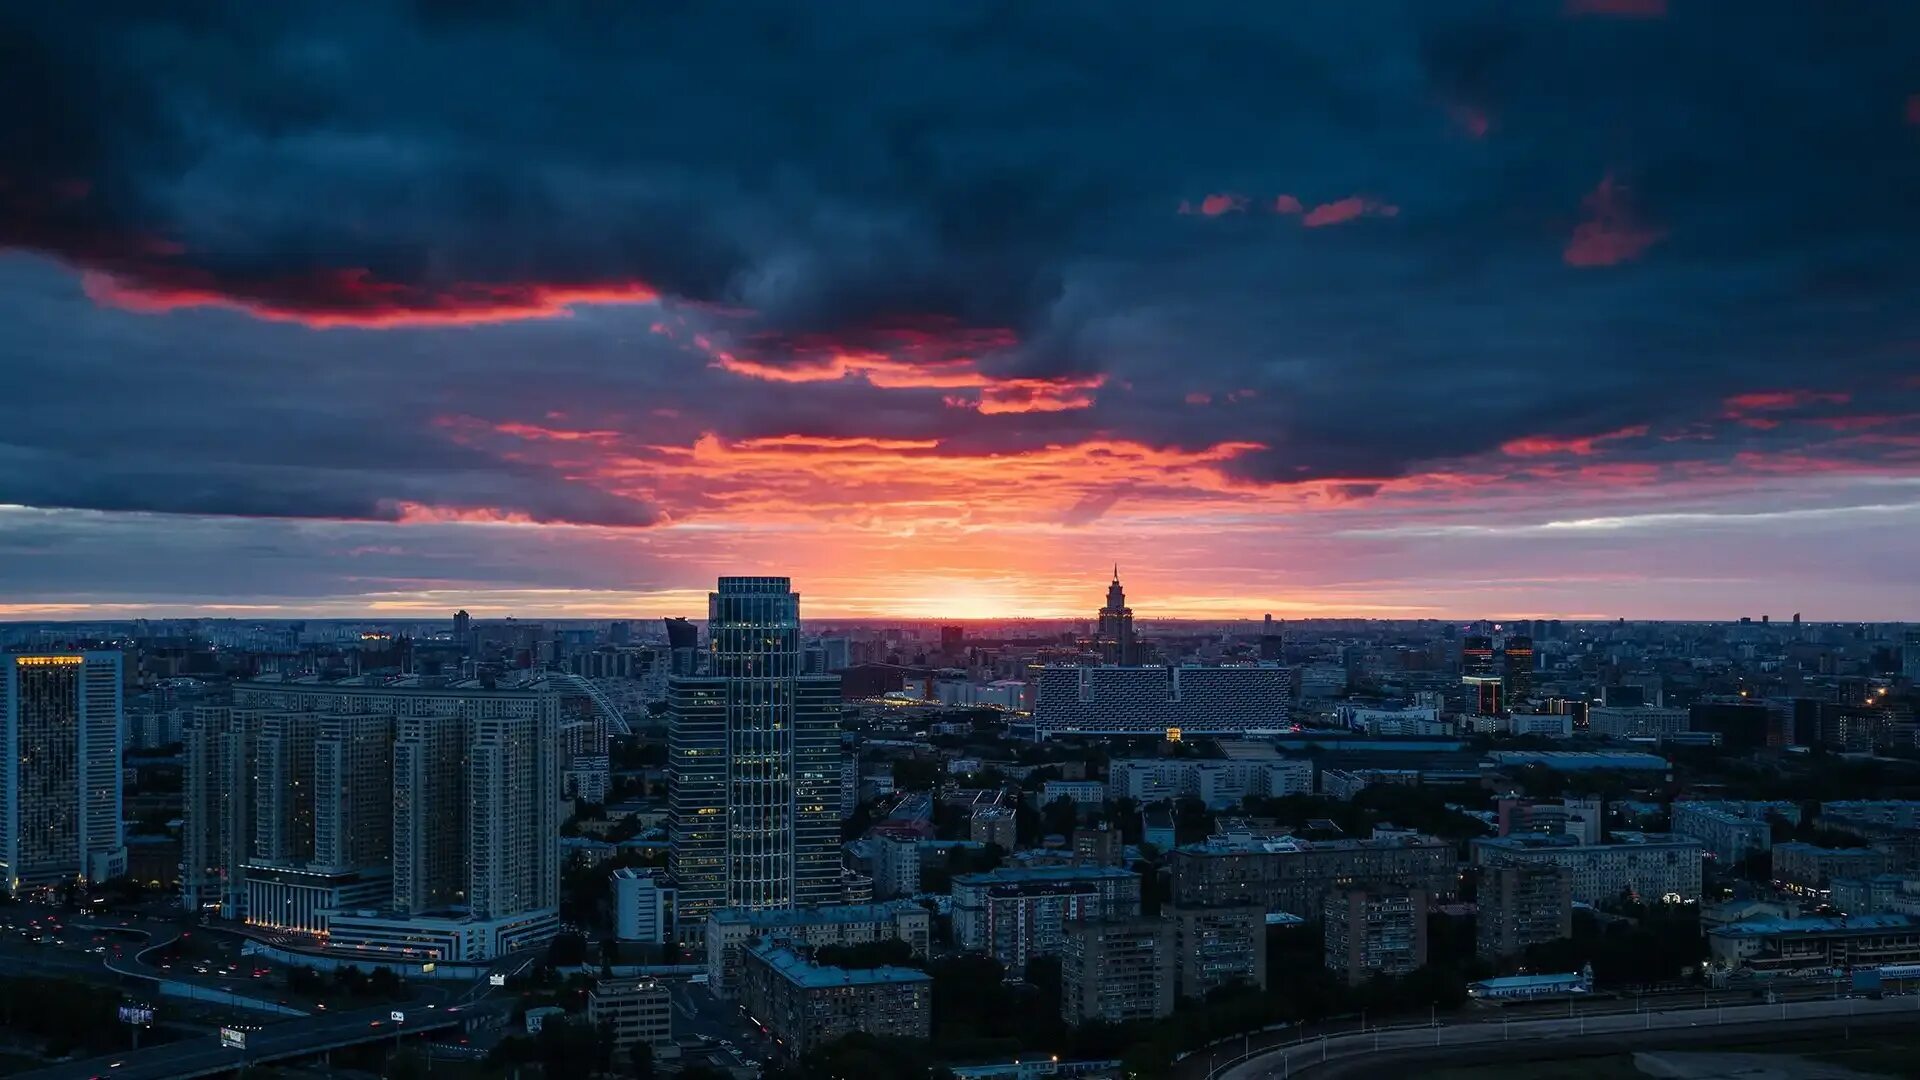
(1579, 759)
(1845, 924)
(1246, 845)
(809, 916)
(1008, 875)
(803, 972)
(1514, 982)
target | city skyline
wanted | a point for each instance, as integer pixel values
(1439, 313)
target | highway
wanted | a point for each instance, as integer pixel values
(1357, 1047)
(298, 1038)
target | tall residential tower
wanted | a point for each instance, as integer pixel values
(753, 762)
(60, 769)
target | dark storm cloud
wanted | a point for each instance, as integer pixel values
(1598, 222)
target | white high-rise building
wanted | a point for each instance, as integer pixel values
(753, 762)
(61, 728)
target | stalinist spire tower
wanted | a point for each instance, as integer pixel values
(1117, 645)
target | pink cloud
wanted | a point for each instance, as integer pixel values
(1347, 209)
(1199, 398)
(1612, 233)
(1580, 446)
(1913, 110)
(1225, 202)
(1286, 204)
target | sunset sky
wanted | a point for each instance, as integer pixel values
(1424, 309)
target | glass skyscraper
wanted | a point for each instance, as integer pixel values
(753, 762)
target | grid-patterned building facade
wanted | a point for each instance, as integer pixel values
(1156, 700)
(753, 762)
(61, 723)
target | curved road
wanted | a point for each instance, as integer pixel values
(1355, 1048)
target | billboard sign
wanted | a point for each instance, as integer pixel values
(233, 1038)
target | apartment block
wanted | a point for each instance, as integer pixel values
(1117, 971)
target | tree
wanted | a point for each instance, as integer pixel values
(1059, 817)
(306, 979)
(384, 982)
(640, 1060)
(890, 952)
(567, 950)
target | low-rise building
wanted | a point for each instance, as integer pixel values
(1525, 987)
(1816, 944)
(1376, 930)
(1082, 792)
(1344, 784)
(804, 1005)
(1728, 830)
(731, 930)
(634, 1010)
(1015, 914)
(1636, 721)
(1099, 846)
(1804, 867)
(1294, 876)
(1220, 784)
(994, 825)
(643, 905)
(1650, 866)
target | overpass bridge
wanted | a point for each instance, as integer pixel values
(205, 1056)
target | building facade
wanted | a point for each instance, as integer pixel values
(1295, 876)
(62, 719)
(1016, 914)
(730, 930)
(1651, 867)
(1216, 947)
(1376, 930)
(1158, 700)
(1115, 971)
(632, 1010)
(753, 762)
(410, 816)
(1727, 833)
(1520, 906)
(804, 1005)
(643, 907)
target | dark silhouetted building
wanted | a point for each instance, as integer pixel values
(1376, 930)
(1117, 643)
(1741, 725)
(1522, 906)
(683, 644)
(1519, 668)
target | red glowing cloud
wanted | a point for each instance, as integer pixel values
(1913, 110)
(1347, 209)
(937, 356)
(325, 299)
(1286, 204)
(1612, 234)
(1216, 205)
(1581, 446)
